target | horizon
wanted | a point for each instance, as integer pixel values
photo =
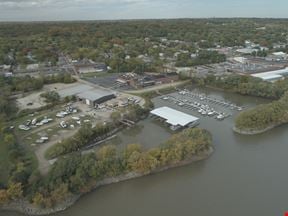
(89, 10)
(144, 19)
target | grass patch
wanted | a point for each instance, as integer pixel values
(4, 163)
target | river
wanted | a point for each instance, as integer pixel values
(246, 175)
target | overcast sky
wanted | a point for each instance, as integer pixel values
(39, 10)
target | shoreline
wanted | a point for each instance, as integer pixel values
(26, 208)
(253, 131)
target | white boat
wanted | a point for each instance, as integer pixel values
(24, 127)
(211, 113)
(34, 121)
(175, 127)
(63, 124)
(45, 121)
(40, 141)
(220, 117)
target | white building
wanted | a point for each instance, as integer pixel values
(174, 118)
(272, 76)
(241, 60)
(280, 55)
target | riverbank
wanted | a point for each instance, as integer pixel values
(253, 131)
(26, 208)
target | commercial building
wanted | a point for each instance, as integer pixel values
(88, 94)
(95, 96)
(174, 118)
(272, 76)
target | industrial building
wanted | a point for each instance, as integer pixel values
(88, 94)
(272, 76)
(174, 118)
(95, 96)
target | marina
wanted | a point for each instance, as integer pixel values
(202, 104)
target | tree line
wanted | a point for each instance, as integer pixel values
(77, 173)
(246, 85)
(264, 116)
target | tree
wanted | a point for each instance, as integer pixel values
(106, 153)
(4, 198)
(15, 190)
(38, 199)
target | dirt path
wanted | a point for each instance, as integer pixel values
(43, 163)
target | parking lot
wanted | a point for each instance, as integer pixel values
(108, 81)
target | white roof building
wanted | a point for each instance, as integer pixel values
(272, 75)
(279, 53)
(241, 60)
(174, 117)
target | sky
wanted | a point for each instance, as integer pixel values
(53, 10)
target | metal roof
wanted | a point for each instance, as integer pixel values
(94, 94)
(74, 90)
(174, 117)
(272, 74)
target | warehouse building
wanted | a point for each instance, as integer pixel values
(174, 118)
(88, 94)
(94, 97)
(272, 76)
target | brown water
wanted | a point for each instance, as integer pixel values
(247, 175)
